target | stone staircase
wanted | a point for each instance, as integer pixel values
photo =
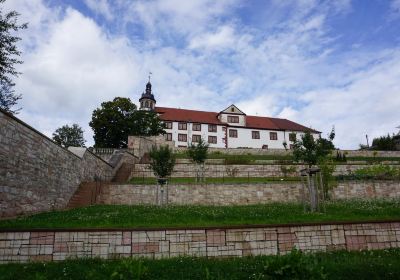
(123, 173)
(86, 194)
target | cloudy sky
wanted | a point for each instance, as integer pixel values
(319, 63)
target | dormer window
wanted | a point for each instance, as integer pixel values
(232, 109)
(233, 119)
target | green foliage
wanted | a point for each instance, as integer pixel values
(198, 153)
(384, 143)
(311, 151)
(229, 178)
(327, 167)
(69, 136)
(380, 172)
(141, 216)
(9, 54)
(379, 264)
(295, 265)
(115, 120)
(162, 161)
(287, 170)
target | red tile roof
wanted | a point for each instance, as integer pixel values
(183, 115)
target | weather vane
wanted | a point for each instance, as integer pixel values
(150, 76)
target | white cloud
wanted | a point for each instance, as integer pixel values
(101, 7)
(222, 38)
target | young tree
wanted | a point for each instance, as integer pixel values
(115, 120)
(162, 162)
(198, 154)
(8, 58)
(69, 136)
(312, 152)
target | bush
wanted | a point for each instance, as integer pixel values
(374, 172)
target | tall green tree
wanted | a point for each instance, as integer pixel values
(9, 54)
(69, 136)
(198, 153)
(115, 120)
(384, 143)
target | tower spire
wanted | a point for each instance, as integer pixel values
(147, 101)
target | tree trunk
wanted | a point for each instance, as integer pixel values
(313, 193)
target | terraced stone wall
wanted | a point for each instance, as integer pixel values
(240, 194)
(202, 242)
(245, 170)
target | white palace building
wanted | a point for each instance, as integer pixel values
(230, 128)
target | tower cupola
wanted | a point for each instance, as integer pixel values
(147, 101)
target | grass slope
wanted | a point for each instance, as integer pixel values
(109, 216)
(384, 264)
(215, 180)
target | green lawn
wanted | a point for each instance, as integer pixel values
(122, 216)
(383, 264)
(215, 180)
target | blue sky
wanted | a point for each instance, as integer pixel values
(320, 63)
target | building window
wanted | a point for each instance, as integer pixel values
(197, 127)
(292, 137)
(212, 128)
(233, 133)
(273, 136)
(168, 136)
(182, 126)
(265, 147)
(232, 109)
(233, 119)
(182, 137)
(212, 139)
(255, 134)
(168, 125)
(196, 138)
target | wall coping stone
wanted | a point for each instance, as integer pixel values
(47, 138)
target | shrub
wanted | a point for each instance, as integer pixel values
(162, 161)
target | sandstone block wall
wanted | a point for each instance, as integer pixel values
(35, 173)
(241, 194)
(247, 170)
(203, 242)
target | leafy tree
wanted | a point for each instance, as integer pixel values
(69, 136)
(198, 154)
(384, 143)
(115, 120)
(313, 152)
(162, 162)
(8, 58)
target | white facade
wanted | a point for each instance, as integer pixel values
(189, 132)
(244, 137)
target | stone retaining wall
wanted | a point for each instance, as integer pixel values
(38, 175)
(201, 242)
(245, 170)
(240, 194)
